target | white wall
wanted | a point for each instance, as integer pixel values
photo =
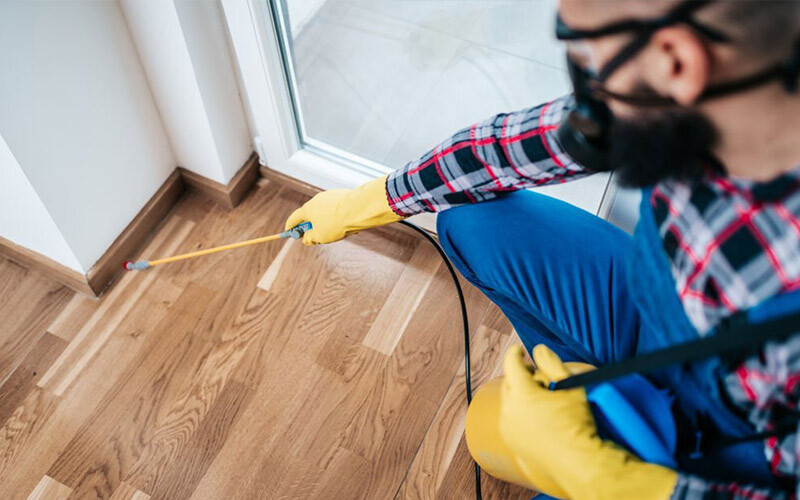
(24, 218)
(184, 49)
(159, 40)
(77, 114)
(206, 37)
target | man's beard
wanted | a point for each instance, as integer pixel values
(666, 144)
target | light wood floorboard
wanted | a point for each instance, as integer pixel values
(270, 372)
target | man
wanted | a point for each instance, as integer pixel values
(697, 103)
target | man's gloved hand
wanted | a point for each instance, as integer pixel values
(338, 213)
(555, 430)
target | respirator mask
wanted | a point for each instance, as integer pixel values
(678, 140)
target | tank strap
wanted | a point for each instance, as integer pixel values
(784, 428)
(735, 337)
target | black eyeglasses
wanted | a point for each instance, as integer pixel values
(680, 14)
(643, 29)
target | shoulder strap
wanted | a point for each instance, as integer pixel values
(734, 337)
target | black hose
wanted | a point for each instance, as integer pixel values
(465, 323)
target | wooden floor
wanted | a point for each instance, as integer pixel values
(272, 372)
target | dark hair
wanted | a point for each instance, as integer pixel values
(759, 27)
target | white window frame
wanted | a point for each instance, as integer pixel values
(277, 141)
(258, 53)
(260, 62)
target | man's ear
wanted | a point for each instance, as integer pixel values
(679, 64)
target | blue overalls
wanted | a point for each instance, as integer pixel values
(593, 293)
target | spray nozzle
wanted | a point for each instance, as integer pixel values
(297, 231)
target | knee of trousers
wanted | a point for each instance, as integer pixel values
(483, 239)
(455, 228)
(488, 449)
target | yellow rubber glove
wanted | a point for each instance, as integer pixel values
(337, 213)
(482, 431)
(555, 430)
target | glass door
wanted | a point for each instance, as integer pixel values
(361, 87)
(381, 81)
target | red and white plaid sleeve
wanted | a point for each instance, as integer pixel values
(505, 152)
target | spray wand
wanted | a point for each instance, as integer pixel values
(296, 232)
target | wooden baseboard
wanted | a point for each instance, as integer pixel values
(109, 266)
(289, 182)
(46, 266)
(229, 195)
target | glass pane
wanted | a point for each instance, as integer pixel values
(385, 80)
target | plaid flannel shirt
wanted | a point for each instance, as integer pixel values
(731, 245)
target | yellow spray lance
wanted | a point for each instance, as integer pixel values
(296, 232)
